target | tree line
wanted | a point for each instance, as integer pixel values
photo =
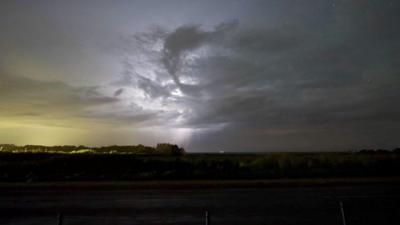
(159, 149)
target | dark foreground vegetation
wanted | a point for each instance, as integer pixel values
(32, 167)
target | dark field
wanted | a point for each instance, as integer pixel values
(42, 167)
(367, 204)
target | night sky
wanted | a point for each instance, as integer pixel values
(231, 75)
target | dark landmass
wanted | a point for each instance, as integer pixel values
(47, 167)
(161, 186)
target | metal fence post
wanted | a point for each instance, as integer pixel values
(342, 211)
(60, 218)
(207, 218)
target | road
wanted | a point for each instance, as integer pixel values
(363, 205)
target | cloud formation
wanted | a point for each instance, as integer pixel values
(265, 75)
(288, 80)
(49, 101)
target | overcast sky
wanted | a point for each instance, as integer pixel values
(232, 75)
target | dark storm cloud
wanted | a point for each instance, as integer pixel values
(52, 102)
(291, 79)
(187, 38)
(152, 89)
(246, 73)
(58, 104)
(118, 92)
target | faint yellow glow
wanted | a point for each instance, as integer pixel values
(23, 131)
